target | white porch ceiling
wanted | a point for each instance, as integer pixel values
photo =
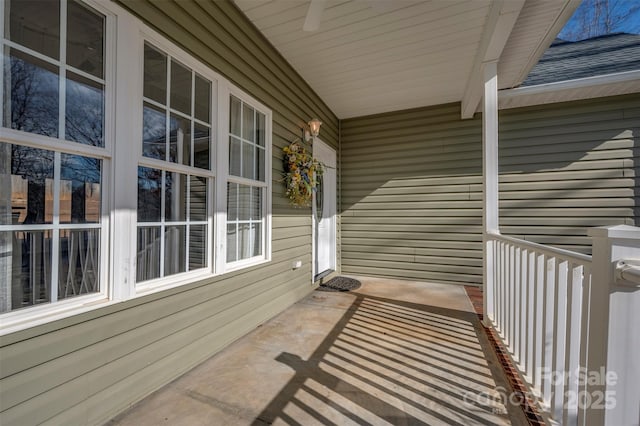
(375, 56)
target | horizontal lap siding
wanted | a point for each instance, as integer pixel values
(412, 185)
(565, 168)
(87, 368)
(412, 195)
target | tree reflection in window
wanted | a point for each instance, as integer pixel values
(33, 83)
(54, 84)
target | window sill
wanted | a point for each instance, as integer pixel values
(166, 283)
(11, 322)
(245, 263)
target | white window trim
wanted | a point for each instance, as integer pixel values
(124, 43)
(39, 314)
(221, 200)
(146, 35)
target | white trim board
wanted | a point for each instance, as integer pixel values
(570, 90)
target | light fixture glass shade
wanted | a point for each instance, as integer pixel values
(314, 127)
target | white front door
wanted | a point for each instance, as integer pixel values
(324, 212)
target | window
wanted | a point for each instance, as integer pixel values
(51, 221)
(246, 185)
(173, 190)
(111, 179)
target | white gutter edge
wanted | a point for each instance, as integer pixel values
(578, 83)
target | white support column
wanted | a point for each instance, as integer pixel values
(490, 181)
(124, 165)
(612, 391)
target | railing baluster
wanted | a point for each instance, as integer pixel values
(531, 307)
(498, 282)
(539, 322)
(548, 336)
(522, 303)
(540, 297)
(572, 339)
(509, 300)
(584, 334)
(559, 335)
(515, 333)
(502, 285)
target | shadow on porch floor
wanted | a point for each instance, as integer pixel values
(390, 353)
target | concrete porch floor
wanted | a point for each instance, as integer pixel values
(390, 353)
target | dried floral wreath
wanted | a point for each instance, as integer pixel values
(301, 174)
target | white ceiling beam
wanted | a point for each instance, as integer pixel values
(498, 26)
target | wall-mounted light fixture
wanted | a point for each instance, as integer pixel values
(314, 129)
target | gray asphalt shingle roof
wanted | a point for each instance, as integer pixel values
(565, 60)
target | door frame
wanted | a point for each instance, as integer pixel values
(318, 147)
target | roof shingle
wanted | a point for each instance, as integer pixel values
(565, 60)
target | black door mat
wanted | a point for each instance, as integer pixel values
(340, 284)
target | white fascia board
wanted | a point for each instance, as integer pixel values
(498, 26)
(571, 90)
(579, 83)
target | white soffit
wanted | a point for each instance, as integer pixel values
(376, 56)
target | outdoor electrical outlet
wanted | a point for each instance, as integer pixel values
(297, 264)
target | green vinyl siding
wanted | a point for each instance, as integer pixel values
(567, 167)
(87, 368)
(412, 195)
(412, 184)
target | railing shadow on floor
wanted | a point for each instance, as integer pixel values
(391, 362)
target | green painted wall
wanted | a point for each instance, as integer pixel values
(411, 208)
(568, 167)
(411, 195)
(87, 368)
(412, 184)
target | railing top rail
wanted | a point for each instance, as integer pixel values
(571, 256)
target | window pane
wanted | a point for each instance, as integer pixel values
(248, 127)
(197, 247)
(80, 179)
(248, 161)
(244, 202)
(245, 238)
(256, 204)
(154, 132)
(232, 201)
(149, 194)
(235, 117)
(179, 140)
(175, 204)
(260, 166)
(84, 115)
(175, 248)
(148, 256)
(79, 263)
(32, 86)
(26, 179)
(201, 147)
(256, 230)
(198, 194)
(155, 75)
(234, 156)
(260, 128)
(180, 88)
(34, 24)
(203, 99)
(85, 39)
(26, 269)
(232, 243)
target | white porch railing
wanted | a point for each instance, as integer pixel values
(570, 323)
